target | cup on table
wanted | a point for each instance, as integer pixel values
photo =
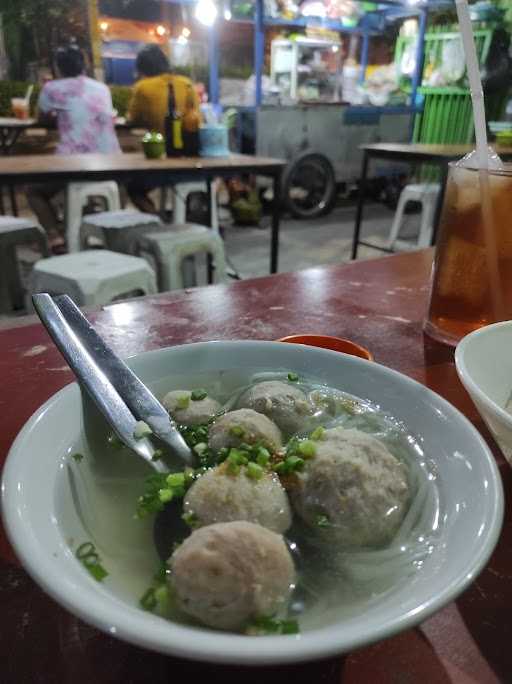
(20, 107)
(471, 282)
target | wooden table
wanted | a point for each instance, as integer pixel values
(440, 155)
(379, 304)
(10, 130)
(24, 169)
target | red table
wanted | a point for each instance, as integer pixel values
(379, 304)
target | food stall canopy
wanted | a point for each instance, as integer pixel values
(370, 23)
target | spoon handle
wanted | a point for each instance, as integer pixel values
(142, 403)
(81, 359)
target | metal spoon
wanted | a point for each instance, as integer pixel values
(118, 393)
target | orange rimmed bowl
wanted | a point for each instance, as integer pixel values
(329, 342)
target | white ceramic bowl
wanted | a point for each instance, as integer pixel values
(51, 504)
(484, 364)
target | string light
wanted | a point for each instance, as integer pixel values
(103, 25)
(161, 30)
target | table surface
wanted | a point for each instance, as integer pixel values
(74, 164)
(379, 304)
(421, 149)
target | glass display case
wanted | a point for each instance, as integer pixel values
(306, 70)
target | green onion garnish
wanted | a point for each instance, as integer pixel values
(198, 394)
(254, 471)
(149, 600)
(141, 430)
(90, 559)
(280, 468)
(237, 431)
(165, 495)
(262, 456)
(161, 573)
(238, 457)
(293, 377)
(317, 434)
(268, 625)
(190, 519)
(183, 401)
(322, 521)
(293, 464)
(77, 457)
(307, 448)
(157, 455)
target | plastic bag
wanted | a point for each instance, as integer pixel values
(453, 63)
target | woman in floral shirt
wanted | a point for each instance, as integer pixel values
(83, 111)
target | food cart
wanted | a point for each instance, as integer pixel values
(304, 118)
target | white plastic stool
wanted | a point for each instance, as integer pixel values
(426, 194)
(179, 193)
(169, 249)
(13, 232)
(93, 277)
(77, 195)
(119, 230)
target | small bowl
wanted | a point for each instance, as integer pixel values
(153, 145)
(338, 344)
(51, 503)
(484, 365)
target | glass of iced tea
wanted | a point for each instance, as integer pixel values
(20, 107)
(472, 273)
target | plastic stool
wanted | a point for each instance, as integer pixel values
(426, 194)
(168, 251)
(14, 232)
(77, 195)
(119, 230)
(179, 193)
(93, 277)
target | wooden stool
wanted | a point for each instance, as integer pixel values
(93, 277)
(169, 249)
(119, 230)
(14, 232)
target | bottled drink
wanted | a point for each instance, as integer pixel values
(191, 122)
(472, 274)
(173, 128)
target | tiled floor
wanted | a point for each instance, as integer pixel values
(303, 244)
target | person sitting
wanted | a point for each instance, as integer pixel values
(148, 107)
(82, 109)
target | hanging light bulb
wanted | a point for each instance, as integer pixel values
(206, 12)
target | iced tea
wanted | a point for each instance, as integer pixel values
(472, 272)
(20, 107)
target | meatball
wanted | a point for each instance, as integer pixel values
(353, 491)
(227, 573)
(218, 496)
(188, 411)
(244, 426)
(283, 403)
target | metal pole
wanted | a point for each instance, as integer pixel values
(420, 55)
(213, 62)
(360, 204)
(365, 49)
(259, 50)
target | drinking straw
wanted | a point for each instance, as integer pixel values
(482, 155)
(28, 94)
(475, 83)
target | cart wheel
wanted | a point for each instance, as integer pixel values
(309, 186)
